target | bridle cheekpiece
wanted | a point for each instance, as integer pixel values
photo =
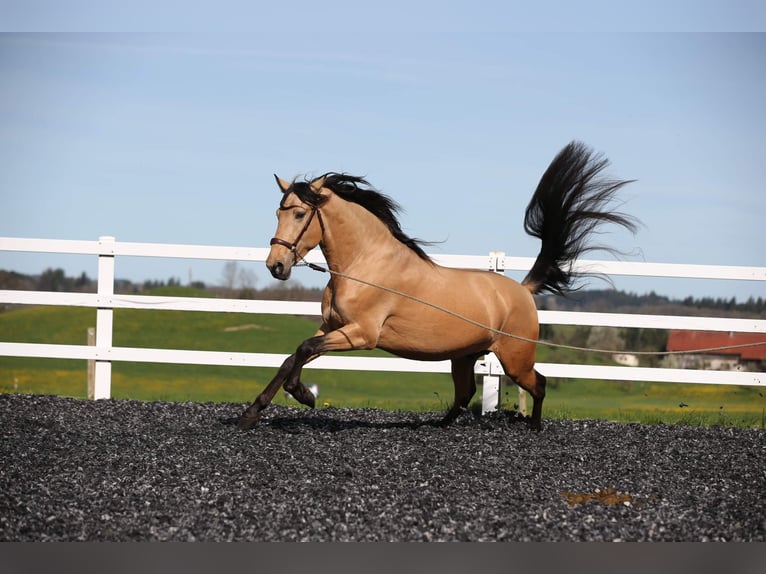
(293, 246)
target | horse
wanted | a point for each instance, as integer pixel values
(380, 277)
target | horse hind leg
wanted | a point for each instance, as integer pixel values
(534, 383)
(537, 405)
(465, 386)
(531, 381)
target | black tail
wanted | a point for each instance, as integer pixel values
(570, 202)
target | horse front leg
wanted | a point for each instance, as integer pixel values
(252, 414)
(306, 353)
(347, 338)
(289, 373)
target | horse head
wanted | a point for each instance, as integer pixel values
(299, 227)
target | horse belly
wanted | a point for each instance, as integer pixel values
(421, 333)
(425, 340)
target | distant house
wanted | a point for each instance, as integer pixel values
(745, 358)
(626, 359)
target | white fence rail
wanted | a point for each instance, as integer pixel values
(105, 301)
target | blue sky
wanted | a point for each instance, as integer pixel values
(174, 136)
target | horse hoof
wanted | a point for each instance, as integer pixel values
(305, 397)
(246, 422)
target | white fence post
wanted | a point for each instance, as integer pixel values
(492, 370)
(490, 367)
(104, 318)
(91, 374)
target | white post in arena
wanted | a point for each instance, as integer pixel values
(491, 370)
(490, 367)
(104, 318)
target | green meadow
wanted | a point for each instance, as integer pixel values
(567, 398)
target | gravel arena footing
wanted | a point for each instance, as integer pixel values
(118, 470)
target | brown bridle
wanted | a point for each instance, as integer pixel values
(294, 245)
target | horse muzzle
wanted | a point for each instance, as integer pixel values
(279, 269)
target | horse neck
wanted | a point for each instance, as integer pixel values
(352, 234)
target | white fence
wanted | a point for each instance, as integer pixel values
(105, 301)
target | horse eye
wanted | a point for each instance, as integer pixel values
(300, 215)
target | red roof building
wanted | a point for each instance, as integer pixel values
(680, 340)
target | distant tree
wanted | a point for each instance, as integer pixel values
(577, 335)
(53, 280)
(16, 281)
(608, 338)
(247, 279)
(229, 275)
(82, 281)
(547, 332)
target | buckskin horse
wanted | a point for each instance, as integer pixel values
(380, 277)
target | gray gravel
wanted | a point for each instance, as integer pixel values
(148, 471)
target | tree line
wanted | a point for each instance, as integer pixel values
(620, 301)
(235, 283)
(238, 282)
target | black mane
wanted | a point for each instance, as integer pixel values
(359, 191)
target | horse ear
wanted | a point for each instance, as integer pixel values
(317, 184)
(283, 185)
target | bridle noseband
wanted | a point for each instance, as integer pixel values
(294, 245)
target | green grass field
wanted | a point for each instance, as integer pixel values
(567, 398)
